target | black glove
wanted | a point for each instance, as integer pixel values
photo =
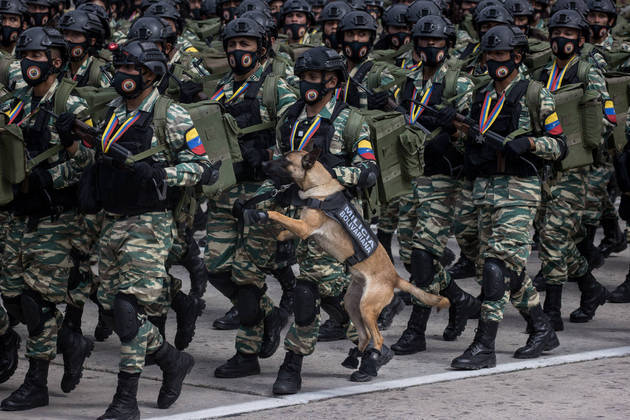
(518, 146)
(254, 217)
(64, 124)
(188, 91)
(378, 100)
(445, 119)
(368, 177)
(39, 179)
(255, 157)
(211, 174)
(147, 173)
(439, 145)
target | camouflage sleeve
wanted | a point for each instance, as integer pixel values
(386, 78)
(463, 104)
(362, 155)
(462, 40)
(286, 97)
(548, 147)
(15, 76)
(183, 137)
(598, 83)
(598, 60)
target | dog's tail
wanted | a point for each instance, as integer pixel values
(427, 298)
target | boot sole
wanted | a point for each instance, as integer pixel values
(67, 388)
(277, 391)
(407, 352)
(24, 407)
(224, 327)
(359, 376)
(231, 376)
(459, 366)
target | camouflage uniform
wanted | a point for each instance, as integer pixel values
(4, 227)
(134, 248)
(316, 266)
(244, 259)
(37, 251)
(104, 78)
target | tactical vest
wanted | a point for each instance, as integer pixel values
(434, 163)
(483, 160)
(353, 98)
(321, 139)
(247, 113)
(92, 76)
(119, 190)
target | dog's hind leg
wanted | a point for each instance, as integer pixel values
(373, 301)
(351, 302)
(296, 226)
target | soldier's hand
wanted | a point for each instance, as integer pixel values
(189, 91)
(439, 145)
(64, 124)
(255, 157)
(39, 179)
(378, 100)
(518, 146)
(254, 217)
(445, 119)
(211, 173)
(146, 172)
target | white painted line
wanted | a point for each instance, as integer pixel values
(307, 397)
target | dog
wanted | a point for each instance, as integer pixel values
(372, 280)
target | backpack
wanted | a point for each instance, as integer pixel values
(619, 90)
(5, 63)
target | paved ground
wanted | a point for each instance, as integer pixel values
(584, 390)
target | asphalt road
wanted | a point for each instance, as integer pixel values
(587, 389)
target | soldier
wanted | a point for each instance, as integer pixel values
(236, 267)
(38, 251)
(297, 18)
(138, 223)
(40, 13)
(318, 120)
(507, 191)
(375, 8)
(559, 255)
(396, 32)
(329, 20)
(524, 13)
(170, 13)
(13, 14)
(541, 14)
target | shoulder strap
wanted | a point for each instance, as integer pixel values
(363, 70)
(5, 63)
(42, 157)
(450, 83)
(159, 125)
(270, 95)
(532, 99)
(95, 72)
(584, 67)
(66, 86)
(352, 130)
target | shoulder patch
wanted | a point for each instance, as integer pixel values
(365, 150)
(552, 124)
(193, 141)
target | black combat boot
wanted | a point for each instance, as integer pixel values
(593, 295)
(614, 240)
(542, 337)
(352, 361)
(621, 294)
(480, 354)
(188, 309)
(74, 347)
(463, 268)
(229, 321)
(552, 306)
(33, 392)
(271, 337)
(588, 249)
(239, 366)
(195, 266)
(385, 238)
(390, 311)
(412, 339)
(175, 366)
(124, 405)
(463, 306)
(9, 345)
(103, 330)
(159, 321)
(289, 380)
(371, 362)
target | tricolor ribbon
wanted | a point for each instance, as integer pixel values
(416, 110)
(412, 67)
(219, 94)
(108, 139)
(310, 132)
(556, 75)
(487, 117)
(13, 114)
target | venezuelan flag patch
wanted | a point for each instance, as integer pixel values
(609, 111)
(191, 50)
(193, 141)
(552, 124)
(365, 150)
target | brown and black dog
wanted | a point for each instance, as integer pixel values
(373, 279)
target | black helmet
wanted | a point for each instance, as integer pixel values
(13, 7)
(321, 59)
(334, 10)
(520, 8)
(251, 5)
(504, 38)
(358, 5)
(375, 3)
(141, 53)
(421, 8)
(244, 27)
(265, 20)
(44, 3)
(102, 15)
(357, 19)
(604, 6)
(493, 13)
(166, 11)
(578, 5)
(41, 39)
(395, 15)
(432, 26)
(82, 22)
(317, 3)
(569, 19)
(290, 6)
(209, 8)
(153, 29)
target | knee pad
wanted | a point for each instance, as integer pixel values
(33, 310)
(248, 304)
(14, 307)
(305, 297)
(126, 310)
(422, 267)
(222, 281)
(285, 277)
(333, 307)
(493, 279)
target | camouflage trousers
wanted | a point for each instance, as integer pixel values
(507, 207)
(133, 261)
(558, 253)
(4, 228)
(12, 280)
(400, 213)
(465, 226)
(597, 198)
(435, 197)
(4, 321)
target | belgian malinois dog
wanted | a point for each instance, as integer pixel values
(374, 278)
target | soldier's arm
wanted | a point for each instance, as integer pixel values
(550, 145)
(363, 159)
(286, 97)
(191, 156)
(463, 104)
(597, 82)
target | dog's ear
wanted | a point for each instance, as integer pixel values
(310, 158)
